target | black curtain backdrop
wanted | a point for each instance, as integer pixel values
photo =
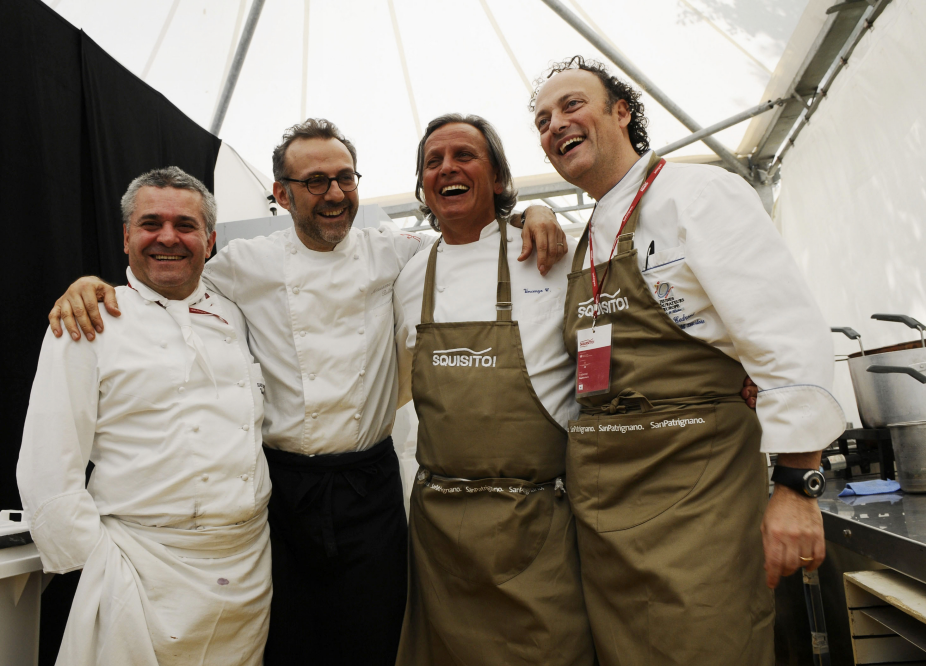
(75, 128)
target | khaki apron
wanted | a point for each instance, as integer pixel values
(493, 568)
(668, 486)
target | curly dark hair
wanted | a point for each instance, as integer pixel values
(617, 90)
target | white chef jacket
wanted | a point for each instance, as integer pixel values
(321, 326)
(723, 274)
(167, 452)
(466, 279)
(171, 532)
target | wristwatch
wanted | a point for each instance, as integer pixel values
(809, 482)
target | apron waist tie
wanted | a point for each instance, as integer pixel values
(352, 466)
(424, 477)
(630, 400)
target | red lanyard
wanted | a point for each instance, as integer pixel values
(596, 286)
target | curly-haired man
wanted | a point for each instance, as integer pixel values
(665, 467)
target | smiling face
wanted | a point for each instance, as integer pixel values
(458, 180)
(587, 145)
(166, 240)
(321, 220)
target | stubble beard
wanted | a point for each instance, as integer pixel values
(313, 226)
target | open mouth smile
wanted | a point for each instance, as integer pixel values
(167, 257)
(569, 144)
(454, 190)
(332, 213)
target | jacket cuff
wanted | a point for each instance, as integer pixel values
(799, 419)
(66, 529)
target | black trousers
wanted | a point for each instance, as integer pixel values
(339, 540)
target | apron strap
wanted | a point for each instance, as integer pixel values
(625, 241)
(502, 293)
(427, 300)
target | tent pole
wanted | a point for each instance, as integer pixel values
(647, 85)
(722, 125)
(240, 54)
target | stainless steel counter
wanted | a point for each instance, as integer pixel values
(890, 529)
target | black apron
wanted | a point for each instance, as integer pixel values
(338, 536)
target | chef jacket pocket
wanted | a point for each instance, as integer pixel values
(485, 532)
(633, 467)
(663, 260)
(539, 305)
(258, 389)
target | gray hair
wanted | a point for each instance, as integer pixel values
(504, 202)
(170, 177)
(313, 128)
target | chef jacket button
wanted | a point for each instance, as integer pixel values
(363, 372)
(314, 415)
(440, 289)
(244, 477)
(510, 239)
(147, 302)
(196, 428)
(312, 376)
(181, 390)
(357, 416)
(292, 250)
(241, 382)
(228, 340)
(205, 477)
(356, 256)
(163, 344)
(301, 334)
(360, 330)
(362, 288)
(440, 249)
(295, 290)
(245, 427)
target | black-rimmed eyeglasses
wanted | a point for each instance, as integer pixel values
(320, 184)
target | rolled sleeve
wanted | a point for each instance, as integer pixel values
(776, 328)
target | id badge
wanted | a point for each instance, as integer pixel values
(593, 371)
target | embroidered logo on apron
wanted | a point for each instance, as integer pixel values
(610, 303)
(463, 357)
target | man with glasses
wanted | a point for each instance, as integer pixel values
(318, 301)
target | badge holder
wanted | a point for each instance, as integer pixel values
(593, 367)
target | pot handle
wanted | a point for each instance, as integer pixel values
(900, 319)
(850, 333)
(898, 369)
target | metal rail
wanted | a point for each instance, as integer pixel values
(722, 125)
(240, 54)
(647, 85)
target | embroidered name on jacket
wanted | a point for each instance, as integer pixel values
(462, 357)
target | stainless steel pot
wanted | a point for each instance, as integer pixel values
(909, 440)
(884, 396)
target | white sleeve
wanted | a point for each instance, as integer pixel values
(219, 273)
(406, 243)
(57, 439)
(403, 352)
(770, 315)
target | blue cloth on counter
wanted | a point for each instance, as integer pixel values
(875, 487)
(862, 500)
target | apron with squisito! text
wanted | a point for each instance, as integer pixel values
(493, 568)
(667, 484)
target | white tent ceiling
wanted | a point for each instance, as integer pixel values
(344, 61)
